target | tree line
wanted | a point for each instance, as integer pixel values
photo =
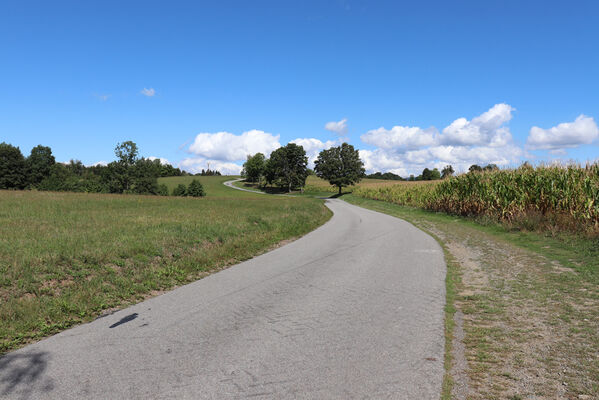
(431, 174)
(128, 174)
(287, 167)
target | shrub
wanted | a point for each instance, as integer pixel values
(195, 189)
(162, 190)
(180, 190)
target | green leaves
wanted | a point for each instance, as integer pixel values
(340, 165)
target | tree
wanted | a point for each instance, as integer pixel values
(12, 167)
(491, 167)
(38, 164)
(253, 168)
(475, 168)
(195, 189)
(427, 174)
(287, 167)
(435, 174)
(340, 165)
(447, 171)
(126, 152)
(180, 190)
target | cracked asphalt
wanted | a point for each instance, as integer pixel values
(353, 310)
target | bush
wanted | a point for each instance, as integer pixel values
(195, 189)
(162, 190)
(180, 190)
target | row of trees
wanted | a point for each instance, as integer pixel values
(129, 174)
(432, 174)
(287, 167)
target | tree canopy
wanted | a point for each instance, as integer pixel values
(340, 165)
(253, 168)
(12, 167)
(287, 167)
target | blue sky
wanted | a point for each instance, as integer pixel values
(400, 74)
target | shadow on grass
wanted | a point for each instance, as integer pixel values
(20, 374)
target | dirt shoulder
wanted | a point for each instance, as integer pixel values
(523, 321)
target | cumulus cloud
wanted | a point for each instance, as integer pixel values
(408, 150)
(487, 129)
(229, 147)
(565, 135)
(148, 92)
(313, 147)
(400, 137)
(381, 160)
(163, 161)
(197, 164)
(339, 127)
(101, 163)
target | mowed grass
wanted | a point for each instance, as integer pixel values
(213, 185)
(66, 258)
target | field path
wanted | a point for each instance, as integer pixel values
(352, 310)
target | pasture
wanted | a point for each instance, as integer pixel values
(66, 258)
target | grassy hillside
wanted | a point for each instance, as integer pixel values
(67, 257)
(213, 185)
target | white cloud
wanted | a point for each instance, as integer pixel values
(229, 147)
(485, 130)
(101, 163)
(408, 150)
(339, 127)
(163, 161)
(380, 160)
(400, 138)
(313, 147)
(565, 135)
(197, 164)
(148, 92)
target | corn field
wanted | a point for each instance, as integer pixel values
(566, 196)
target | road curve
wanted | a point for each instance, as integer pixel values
(231, 185)
(354, 309)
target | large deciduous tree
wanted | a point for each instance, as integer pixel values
(39, 164)
(340, 165)
(287, 167)
(12, 167)
(253, 168)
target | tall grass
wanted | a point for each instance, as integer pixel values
(66, 257)
(556, 196)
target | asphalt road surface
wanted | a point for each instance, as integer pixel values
(231, 185)
(352, 310)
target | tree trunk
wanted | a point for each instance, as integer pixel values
(339, 190)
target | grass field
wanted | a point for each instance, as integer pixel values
(66, 258)
(522, 311)
(319, 187)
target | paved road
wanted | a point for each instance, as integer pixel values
(231, 185)
(352, 310)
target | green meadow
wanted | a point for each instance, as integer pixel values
(66, 258)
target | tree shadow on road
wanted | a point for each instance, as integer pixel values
(21, 373)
